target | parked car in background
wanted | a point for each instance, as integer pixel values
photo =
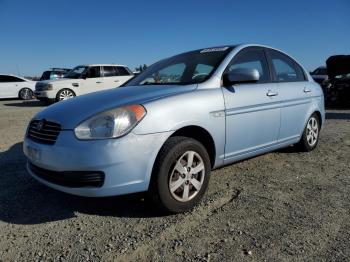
(319, 74)
(12, 86)
(337, 86)
(167, 128)
(54, 73)
(81, 80)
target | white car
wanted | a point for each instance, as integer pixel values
(12, 86)
(81, 80)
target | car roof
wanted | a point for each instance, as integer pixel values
(102, 65)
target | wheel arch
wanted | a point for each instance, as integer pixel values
(201, 135)
(19, 92)
(65, 88)
(318, 113)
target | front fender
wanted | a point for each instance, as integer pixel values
(202, 107)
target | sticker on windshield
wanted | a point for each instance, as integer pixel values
(215, 49)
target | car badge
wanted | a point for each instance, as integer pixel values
(40, 125)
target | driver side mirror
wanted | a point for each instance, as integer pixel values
(240, 76)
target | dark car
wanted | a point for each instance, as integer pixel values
(337, 86)
(54, 73)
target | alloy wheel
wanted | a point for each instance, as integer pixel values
(26, 94)
(65, 94)
(312, 131)
(187, 176)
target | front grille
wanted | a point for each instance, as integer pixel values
(72, 179)
(44, 132)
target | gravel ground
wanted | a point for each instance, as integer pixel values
(279, 206)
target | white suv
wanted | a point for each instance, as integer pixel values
(81, 80)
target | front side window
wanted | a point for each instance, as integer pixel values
(286, 70)
(93, 72)
(184, 69)
(251, 59)
(76, 72)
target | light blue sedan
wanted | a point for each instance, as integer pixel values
(165, 130)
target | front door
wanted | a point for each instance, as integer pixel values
(252, 110)
(10, 86)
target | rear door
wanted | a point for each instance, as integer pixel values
(294, 94)
(252, 111)
(110, 77)
(123, 75)
(94, 80)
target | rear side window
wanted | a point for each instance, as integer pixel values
(251, 59)
(123, 71)
(285, 69)
(94, 72)
(109, 71)
(7, 79)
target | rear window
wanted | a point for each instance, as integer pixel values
(286, 70)
(6, 79)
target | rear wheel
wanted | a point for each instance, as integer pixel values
(311, 134)
(64, 94)
(26, 94)
(180, 175)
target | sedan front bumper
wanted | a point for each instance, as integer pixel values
(126, 163)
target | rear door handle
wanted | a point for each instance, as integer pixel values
(271, 93)
(307, 90)
(98, 82)
(116, 81)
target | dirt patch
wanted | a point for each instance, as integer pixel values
(279, 206)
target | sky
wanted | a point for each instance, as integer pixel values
(37, 35)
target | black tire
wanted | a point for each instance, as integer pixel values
(164, 169)
(62, 91)
(25, 94)
(305, 144)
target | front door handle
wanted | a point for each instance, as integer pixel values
(307, 90)
(272, 93)
(98, 82)
(116, 81)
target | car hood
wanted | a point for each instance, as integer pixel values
(56, 81)
(71, 112)
(338, 65)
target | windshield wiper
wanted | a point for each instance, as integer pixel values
(164, 84)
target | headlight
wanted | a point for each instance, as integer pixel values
(48, 87)
(110, 124)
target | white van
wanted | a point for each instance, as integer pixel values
(81, 80)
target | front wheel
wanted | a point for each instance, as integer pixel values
(311, 134)
(180, 175)
(64, 94)
(26, 94)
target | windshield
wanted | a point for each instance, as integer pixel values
(320, 71)
(188, 68)
(45, 76)
(76, 72)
